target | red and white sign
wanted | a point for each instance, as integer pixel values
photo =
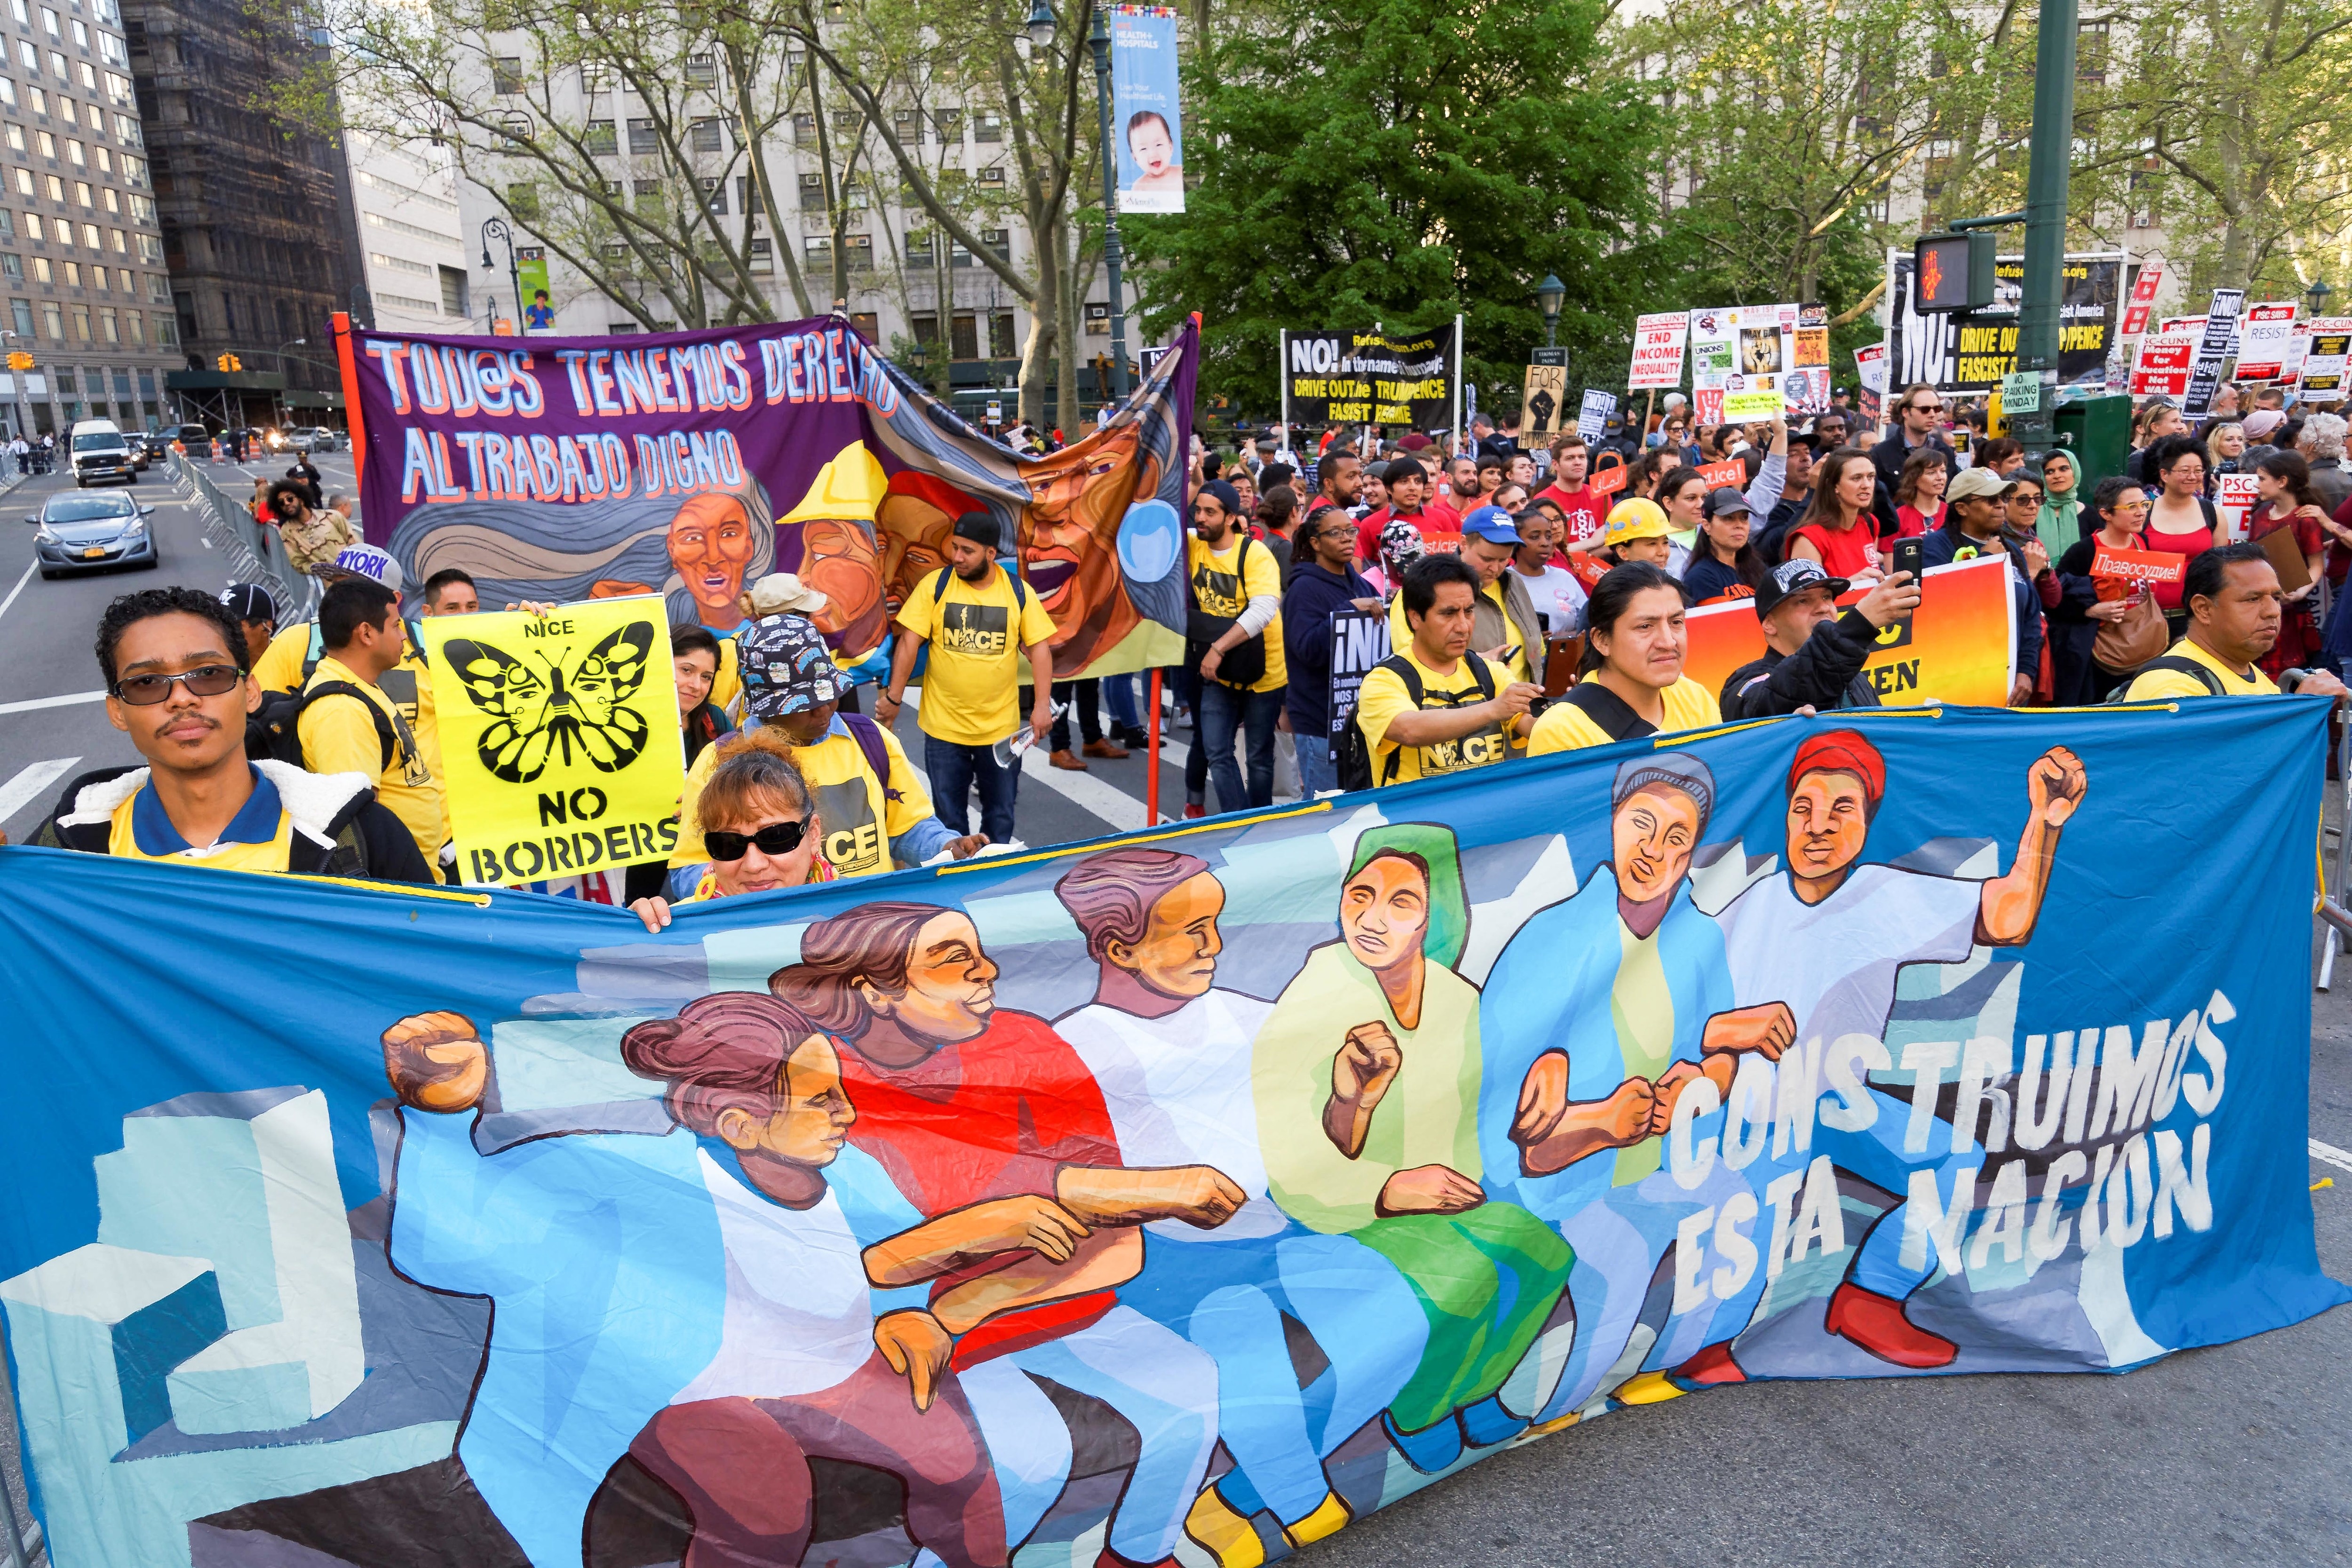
(1728, 472)
(2162, 365)
(1610, 480)
(2137, 565)
(2263, 343)
(1706, 404)
(2143, 295)
(1658, 343)
(2234, 499)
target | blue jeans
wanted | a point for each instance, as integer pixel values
(1315, 771)
(1118, 696)
(1223, 710)
(954, 769)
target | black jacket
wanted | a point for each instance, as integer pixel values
(340, 829)
(1889, 455)
(1826, 673)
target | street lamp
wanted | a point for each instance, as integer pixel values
(1041, 25)
(2317, 294)
(1548, 295)
(496, 228)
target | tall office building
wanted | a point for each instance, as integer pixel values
(257, 217)
(81, 264)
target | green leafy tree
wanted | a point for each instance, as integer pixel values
(1397, 161)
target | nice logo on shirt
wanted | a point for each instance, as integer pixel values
(1470, 752)
(852, 840)
(982, 629)
(1219, 592)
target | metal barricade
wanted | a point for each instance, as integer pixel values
(253, 553)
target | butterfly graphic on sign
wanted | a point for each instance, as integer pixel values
(557, 700)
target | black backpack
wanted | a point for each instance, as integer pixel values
(272, 731)
(1244, 665)
(1353, 766)
(2175, 665)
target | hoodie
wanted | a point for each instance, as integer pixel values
(338, 829)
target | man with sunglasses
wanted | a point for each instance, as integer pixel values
(178, 683)
(1916, 419)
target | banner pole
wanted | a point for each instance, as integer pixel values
(1457, 381)
(351, 417)
(1649, 408)
(1151, 759)
(1282, 375)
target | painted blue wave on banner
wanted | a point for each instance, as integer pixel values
(1180, 1196)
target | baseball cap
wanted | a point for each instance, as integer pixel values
(366, 561)
(1724, 500)
(1636, 518)
(1970, 482)
(249, 602)
(1794, 577)
(1493, 524)
(786, 666)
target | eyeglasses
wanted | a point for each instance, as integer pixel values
(1926, 408)
(776, 839)
(205, 681)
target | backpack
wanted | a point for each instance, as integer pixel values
(869, 736)
(2172, 664)
(1354, 765)
(272, 731)
(1244, 665)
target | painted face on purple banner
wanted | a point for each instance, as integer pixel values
(710, 545)
(1069, 540)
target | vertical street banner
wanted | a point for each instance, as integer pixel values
(2161, 366)
(1371, 378)
(530, 271)
(1658, 343)
(690, 465)
(1360, 639)
(1970, 353)
(2263, 347)
(559, 737)
(2219, 341)
(1593, 417)
(1543, 401)
(2324, 358)
(431, 1227)
(1146, 121)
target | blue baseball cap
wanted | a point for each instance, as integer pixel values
(1493, 524)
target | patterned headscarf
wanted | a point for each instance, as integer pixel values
(786, 666)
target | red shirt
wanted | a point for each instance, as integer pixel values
(1434, 517)
(1915, 523)
(1585, 507)
(2191, 545)
(1844, 551)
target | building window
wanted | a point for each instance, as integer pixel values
(919, 253)
(646, 197)
(1000, 335)
(714, 195)
(818, 252)
(957, 255)
(763, 257)
(987, 126)
(506, 75)
(999, 243)
(1097, 321)
(2091, 54)
(522, 200)
(643, 140)
(702, 70)
(12, 267)
(951, 125)
(992, 178)
(603, 138)
(53, 320)
(517, 128)
(620, 329)
(592, 80)
(743, 195)
(453, 293)
(925, 325)
(867, 323)
(861, 251)
(907, 127)
(82, 194)
(803, 129)
(22, 311)
(702, 136)
(813, 194)
(963, 336)
(110, 330)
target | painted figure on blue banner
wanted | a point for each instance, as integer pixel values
(602, 1254)
(1171, 1052)
(814, 1360)
(964, 1103)
(1601, 1011)
(1829, 937)
(1350, 1153)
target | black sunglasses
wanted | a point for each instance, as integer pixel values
(205, 681)
(776, 839)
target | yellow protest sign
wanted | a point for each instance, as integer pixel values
(559, 737)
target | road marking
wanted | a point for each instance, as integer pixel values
(2329, 1154)
(1117, 809)
(26, 785)
(19, 587)
(65, 702)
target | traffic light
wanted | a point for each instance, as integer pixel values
(20, 360)
(227, 363)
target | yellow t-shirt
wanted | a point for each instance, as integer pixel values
(1401, 635)
(859, 823)
(1220, 589)
(727, 682)
(1563, 728)
(1383, 697)
(2158, 683)
(260, 839)
(979, 634)
(409, 684)
(337, 738)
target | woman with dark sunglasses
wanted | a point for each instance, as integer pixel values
(760, 826)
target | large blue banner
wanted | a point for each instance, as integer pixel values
(1174, 1197)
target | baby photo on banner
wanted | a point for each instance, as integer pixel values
(1145, 121)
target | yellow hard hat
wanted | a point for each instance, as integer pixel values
(1636, 518)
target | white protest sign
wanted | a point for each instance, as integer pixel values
(2262, 345)
(1658, 341)
(1593, 417)
(2234, 499)
(2323, 360)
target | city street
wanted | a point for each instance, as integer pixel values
(2228, 1456)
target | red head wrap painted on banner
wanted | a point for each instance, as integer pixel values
(1842, 752)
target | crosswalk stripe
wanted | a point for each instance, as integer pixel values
(66, 701)
(1118, 810)
(30, 784)
(2329, 1154)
